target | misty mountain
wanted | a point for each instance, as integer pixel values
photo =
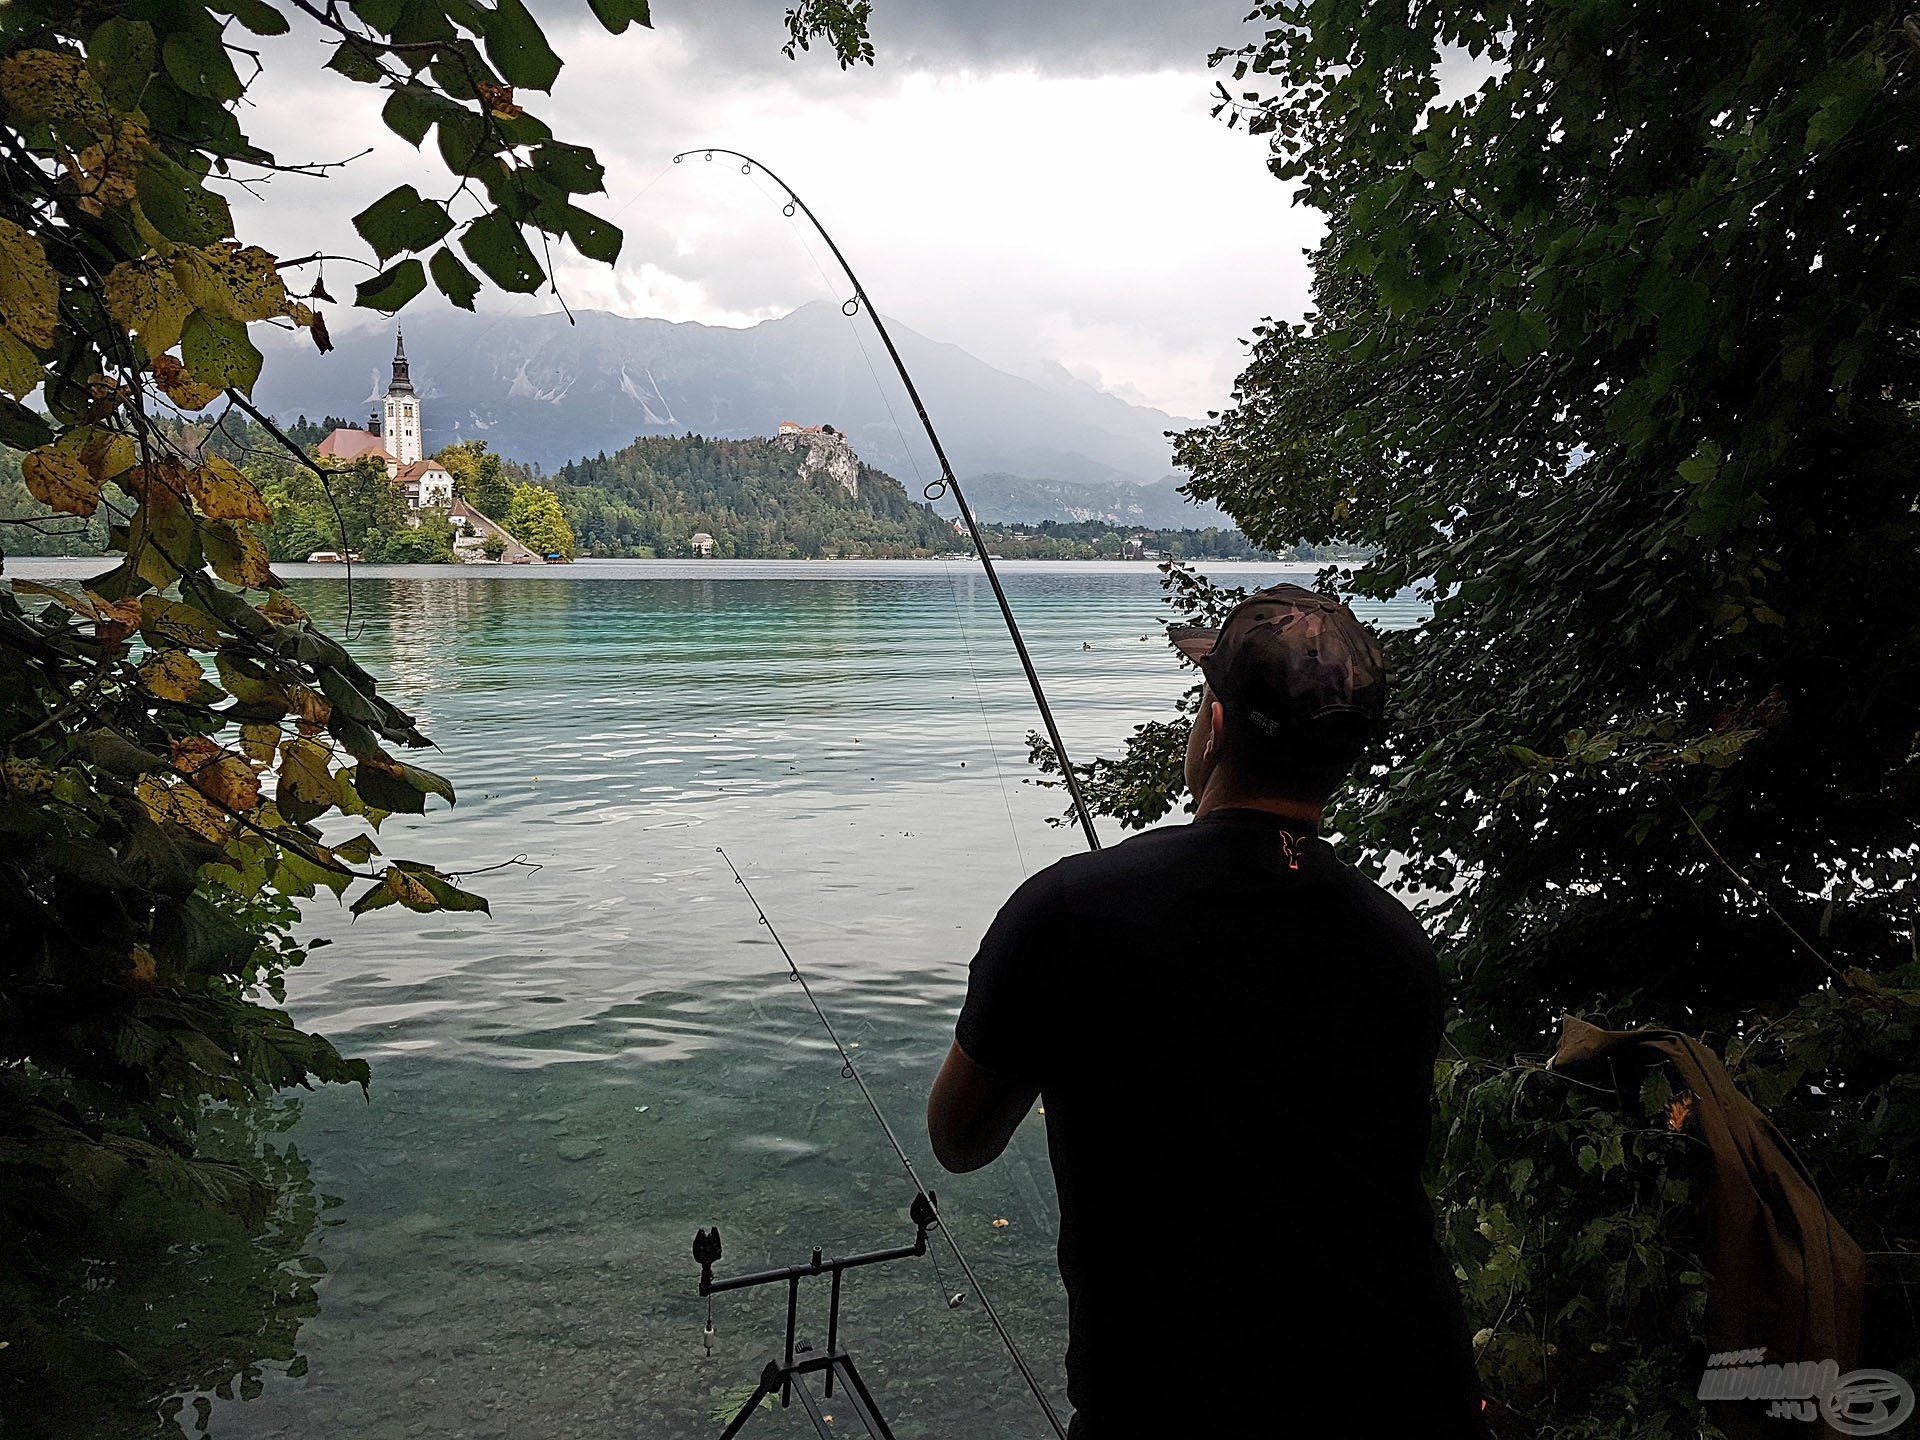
(540, 389)
(1019, 498)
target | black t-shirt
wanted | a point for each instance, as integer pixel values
(1233, 1032)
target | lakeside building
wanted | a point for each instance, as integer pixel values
(399, 442)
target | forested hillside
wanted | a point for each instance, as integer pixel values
(652, 497)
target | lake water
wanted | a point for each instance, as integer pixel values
(564, 1091)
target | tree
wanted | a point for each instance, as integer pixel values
(1613, 361)
(174, 729)
(534, 518)
(478, 476)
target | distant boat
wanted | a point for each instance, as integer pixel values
(334, 557)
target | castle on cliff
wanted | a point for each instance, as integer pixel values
(821, 447)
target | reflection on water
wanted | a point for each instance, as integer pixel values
(563, 1093)
(169, 1308)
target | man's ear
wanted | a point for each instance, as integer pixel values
(1216, 722)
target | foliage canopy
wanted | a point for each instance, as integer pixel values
(185, 754)
(1613, 359)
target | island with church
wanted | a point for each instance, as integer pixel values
(376, 493)
(395, 440)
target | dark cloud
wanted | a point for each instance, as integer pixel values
(1107, 38)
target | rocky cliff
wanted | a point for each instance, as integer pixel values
(823, 450)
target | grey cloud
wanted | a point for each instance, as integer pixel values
(1109, 37)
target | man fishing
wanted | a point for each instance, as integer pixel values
(1233, 1033)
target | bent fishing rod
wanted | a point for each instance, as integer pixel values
(948, 483)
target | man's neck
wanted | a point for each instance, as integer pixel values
(1222, 795)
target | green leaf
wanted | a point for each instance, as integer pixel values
(1683, 323)
(198, 64)
(258, 16)
(411, 110)
(376, 897)
(121, 54)
(193, 936)
(1703, 465)
(1518, 335)
(392, 288)
(382, 15)
(178, 206)
(616, 15)
(456, 282)
(593, 237)
(354, 63)
(518, 49)
(494, 243)
(443, 890)
(463, 140)
(573, 168)
(401, 220)
(217, 351)
(1853, 91)
(21, 428)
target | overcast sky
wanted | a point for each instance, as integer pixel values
(1034, 182)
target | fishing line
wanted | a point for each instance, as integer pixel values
(947, 482)
(851, 1072)
(953, 592)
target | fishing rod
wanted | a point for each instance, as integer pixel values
(925, 1201)
(948, 481)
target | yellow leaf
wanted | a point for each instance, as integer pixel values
(249, 689)
(182, 805)
(53, 592)
(141, 968)
(237, 555)
(304, 772)
(19, 366)
(161, 485)
(310, 705)
(27, 778)
(260, 742)
(170, 622)
(225, 779)
(180, 387)
(281, 610)
(29, 290)
(107, 454)
(103, 174)
(232, 281)
(143, 296)
(172, 675)
(51, 85)
(409, 891)
(61, 481)
(113, 620)
(226, 494)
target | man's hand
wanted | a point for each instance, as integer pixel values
(973, 1112)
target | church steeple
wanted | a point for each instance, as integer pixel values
(400, 411)
(402, 382)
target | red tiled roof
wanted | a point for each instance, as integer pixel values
(414, 470)
(345, 444)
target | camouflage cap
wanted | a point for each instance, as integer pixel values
(1300, 663)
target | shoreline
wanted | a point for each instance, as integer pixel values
(684, 569)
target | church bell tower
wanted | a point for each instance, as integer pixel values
(401, 410)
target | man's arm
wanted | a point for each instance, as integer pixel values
(973, 1112)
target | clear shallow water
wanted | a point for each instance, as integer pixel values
(565, 1091)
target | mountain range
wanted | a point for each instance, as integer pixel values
(540, 388)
